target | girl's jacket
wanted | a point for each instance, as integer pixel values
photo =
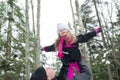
(85, 73)
(72, 52)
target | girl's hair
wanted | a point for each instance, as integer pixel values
(73, 38)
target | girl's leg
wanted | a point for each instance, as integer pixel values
(84, 74)
(63, 73)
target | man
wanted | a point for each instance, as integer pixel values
(42, 73)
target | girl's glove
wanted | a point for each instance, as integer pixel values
(41, 49)
(97, 30)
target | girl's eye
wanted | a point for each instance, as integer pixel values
(60, 30)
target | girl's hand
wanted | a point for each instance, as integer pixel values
(97, 30)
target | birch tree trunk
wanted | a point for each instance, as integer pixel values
(34, 34)
(73, 16)
(37, 51)
(27, 42)
(33, 18)
(84, 49)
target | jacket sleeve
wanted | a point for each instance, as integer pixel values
(86, 37)
(49, 48)
(84, 74)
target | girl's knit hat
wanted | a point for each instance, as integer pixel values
(61, 26)
(39, 74)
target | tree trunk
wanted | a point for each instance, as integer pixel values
(27, 42)
(9, 34)
(34, 34)
(37, 53)
(109, 71)
(9, 30)
(8, 46)
(73, 16)
(103, 38)
(84, 48)
(105, 45)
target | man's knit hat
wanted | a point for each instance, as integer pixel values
(61, 26)
(39, 74)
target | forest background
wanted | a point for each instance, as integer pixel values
(23, 31)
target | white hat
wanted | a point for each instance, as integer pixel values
(61, 26)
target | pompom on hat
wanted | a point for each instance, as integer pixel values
(39, 74)
(61, 26)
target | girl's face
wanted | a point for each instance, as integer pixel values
(63, 32)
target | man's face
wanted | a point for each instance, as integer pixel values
(50, 73)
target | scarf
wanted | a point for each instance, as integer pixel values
(60, 55)
(60, 47)
(70, 73)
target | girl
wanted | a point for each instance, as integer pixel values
(67, 46)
